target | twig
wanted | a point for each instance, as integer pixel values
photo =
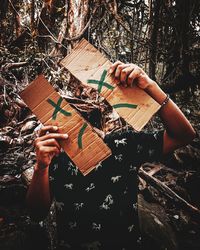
(52, 35)
(13, 7)
(168, 192)
(4, 95)
(113, 11)
(8, 66)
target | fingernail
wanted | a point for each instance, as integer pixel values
(55, 127)
(66, 136)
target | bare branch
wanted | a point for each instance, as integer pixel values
(165, 190)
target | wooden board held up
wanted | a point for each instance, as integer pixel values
(88, 65)
(85, 148)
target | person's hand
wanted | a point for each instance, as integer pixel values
(129, 74)
(47, 145)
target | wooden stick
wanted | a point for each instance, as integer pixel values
(12, 65)
(165, 190)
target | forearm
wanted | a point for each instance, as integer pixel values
(176, 124)
(38, 195)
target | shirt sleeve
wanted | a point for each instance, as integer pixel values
(149, 146)
(56, 170)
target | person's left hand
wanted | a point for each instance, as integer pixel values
(129, 74)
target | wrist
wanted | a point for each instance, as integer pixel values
(156, 93)
(151, 86)
(40, 166)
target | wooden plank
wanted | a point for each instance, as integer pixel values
(90, 66)
(85, 148)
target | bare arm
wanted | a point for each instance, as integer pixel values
(178, 130)
(38, 196)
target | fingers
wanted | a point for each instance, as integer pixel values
(49, 139)
(47, 146)
(49, 150)
(114, 66)
(117, 68)
(56, 136)
(46, 150)
(49, 142)
(119, 73)
(48, 128)
(126, 73)
(134, 74)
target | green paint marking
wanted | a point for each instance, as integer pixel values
(125, 105)
(58, 108)
(101, 83)
(80, 135)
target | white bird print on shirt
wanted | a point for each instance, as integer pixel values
(107, 202)
(92, 186)
(118, 157)
(72, 168)
(122, 141)
(99, 165)
(78, 206)
(55, 166)
(96, 226)
(72, 225)
(130, 228)
(69, 186)
(115, 178)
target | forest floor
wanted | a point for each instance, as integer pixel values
(168, 191)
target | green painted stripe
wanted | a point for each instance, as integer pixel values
(64, 112)
(80, 135)
(125, 105)
(108, 85)
(58, 108)
(101, 82)
(103, 76)
(93, 81)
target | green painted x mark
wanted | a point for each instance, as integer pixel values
(101, 83)
(58, 108)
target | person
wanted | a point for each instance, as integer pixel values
(99, 211)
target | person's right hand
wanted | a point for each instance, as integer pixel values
(47, 145)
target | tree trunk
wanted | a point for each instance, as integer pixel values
(15, 5)
(45, 24)
(78, 13)
(3, 12)
(153, 37)
(184, 12)
(32, 16)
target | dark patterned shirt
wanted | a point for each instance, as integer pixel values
(99, 211)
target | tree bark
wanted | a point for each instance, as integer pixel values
(184, 12)
(153, 37)
(78, 14)
(32, 16)
(45, 24)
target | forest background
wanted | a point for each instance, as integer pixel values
(161, 36)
